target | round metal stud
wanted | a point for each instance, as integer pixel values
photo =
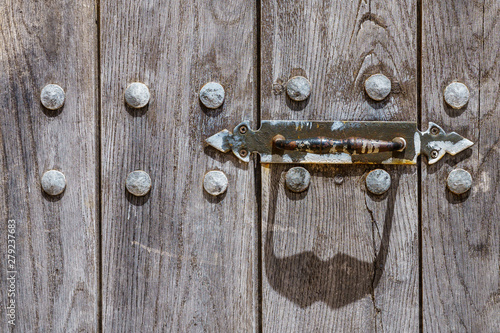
(212, 95)
(456, 95)
(53, 182)
(297, 179)
(298, 88)
(137, 95)
(378, 87)
(52, 97)
(138, 183)
(215, 182)
(378, 181)
(459, 181)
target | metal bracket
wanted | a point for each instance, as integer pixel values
(339, 142)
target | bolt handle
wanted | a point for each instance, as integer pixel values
(323, 145)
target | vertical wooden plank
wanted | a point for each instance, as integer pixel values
(336, 258)
(44, 42)
(460, 233)
(178, 259)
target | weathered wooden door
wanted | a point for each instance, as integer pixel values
(334, 258)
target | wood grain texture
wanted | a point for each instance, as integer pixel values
(461, 234)
(177, 260)
(336, 258)
(44, 42)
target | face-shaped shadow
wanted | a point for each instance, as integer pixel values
(304, 278)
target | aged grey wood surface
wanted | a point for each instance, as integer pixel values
(336, 258)
(461, 234)
(56, 241)
(178, 259)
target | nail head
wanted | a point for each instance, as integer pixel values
(52, 97)
(212, 95)
(456, 95)
(378, 87)
(297, 179)
(138, 183)
(137, 95)
(298, 88)
(53, 182)
(378, 181)
(215, 182)
(459, 181)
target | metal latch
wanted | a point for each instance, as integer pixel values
(339, 142)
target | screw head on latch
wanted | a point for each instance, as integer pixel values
(52, 97)
(298, 88)
(212, 95)
(378, 87)
(138, 183)
(53, 182)
(456, 95)
(297, 179)
(459, 181)
(137, 95)
(215, 182)
(378, 181)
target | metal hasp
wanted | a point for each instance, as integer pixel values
(339, 142)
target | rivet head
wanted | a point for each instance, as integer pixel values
(298, 88)
(52, 97)
(378, 181)
(137, 95)
(212, 95)
(459, 181)
(138, 183)
(297, 179)
(215, 182)
(456, 95)
(53, 182)
(378, 87)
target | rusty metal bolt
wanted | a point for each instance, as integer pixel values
(378, 87)
(52, 97)
(298, 88)
(456, 95)
(215, 182)
(378, 181)
(434, 130)
(212, 95)
(459, 181)
(243, 129)
(138, 183)
(137, 95)
(297, 179)
(53, 182)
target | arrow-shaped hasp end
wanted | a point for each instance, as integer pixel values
(436, 143)
(220, 141)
